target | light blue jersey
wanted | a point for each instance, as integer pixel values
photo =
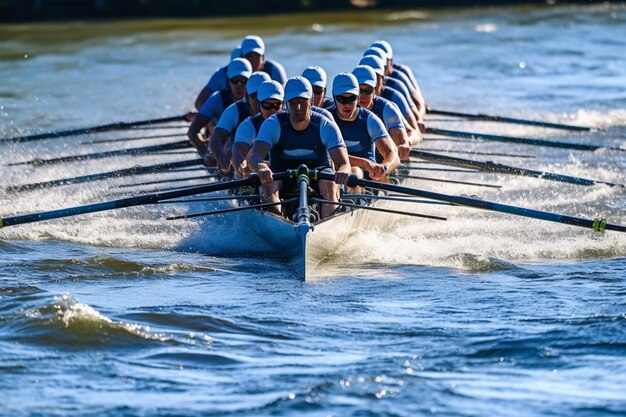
(388, 112)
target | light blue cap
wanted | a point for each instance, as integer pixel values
(252, 43)
(316, 75)
(373, 50)
(365, 75)
(377, 64)
(385, 46)
(236, 53)
(255, 81)
(345, 83)
(270, 89)
(298, 87)
(239, 67)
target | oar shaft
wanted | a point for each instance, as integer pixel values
(492, 167)
(481, 116)
(94, 129)
(104, 175)
(515, 139)
(132, 201)
(482, 204)
(106, 154)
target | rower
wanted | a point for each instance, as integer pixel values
(253, 49)
(405, 74)
(317, 77)
(221, 139)
(362, 131)
(270, 96)
(218, 81)
(238, 72)
(297, 137)
(387, 111)
(378, 65)
(397, 84)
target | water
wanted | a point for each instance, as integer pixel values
(123, 313)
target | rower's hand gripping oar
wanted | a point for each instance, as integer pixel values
(598, 225)
(96, 129)
(134, 201)
(513, 120)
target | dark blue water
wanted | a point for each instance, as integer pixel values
(123, 313)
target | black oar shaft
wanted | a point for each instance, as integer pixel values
(481, 116)
(106, 154)
(133, 201)
(378, 209)
(515, 139)
(596, 224)
(492, 167)
(94, 129)
(138, 170)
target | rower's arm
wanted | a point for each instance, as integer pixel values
(256, 157)
(216, 144)
(195, 132)
(400, 138)
(238, 160)
(389, 152)
(343, 169)
(204, 94)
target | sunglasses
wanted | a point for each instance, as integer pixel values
(346, 99)
(271, 106)
(366, 91)
(239, 80)
(317, 90)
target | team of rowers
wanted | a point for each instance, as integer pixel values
(375, 115)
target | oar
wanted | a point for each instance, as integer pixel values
(393, 197)
(481, 116)
(198, 177)
(378, 209)
(598, 225)
(93, 129)
(515, 139)
(232, 210)
(130, 138)
(137, 170)
(492, 167)
(508, 155)
(106, 154)
(135, 201)
(476, 184)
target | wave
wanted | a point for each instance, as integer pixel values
(67, 322)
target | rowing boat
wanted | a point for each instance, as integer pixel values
(305, 241)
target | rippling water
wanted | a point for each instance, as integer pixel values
(123, 313)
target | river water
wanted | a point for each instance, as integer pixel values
(123, 313)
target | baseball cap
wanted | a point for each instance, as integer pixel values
(365, 75)
(270, 89)
(298, 87)
(252, 43)
(377, 64)
(316, 75)
(345, 83)
(385, 46)
(373, 50)
(239, 67)
(255, 81)
(236, 53)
